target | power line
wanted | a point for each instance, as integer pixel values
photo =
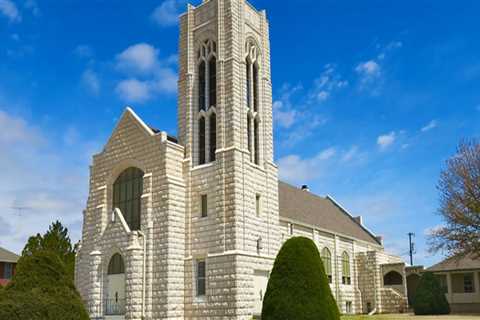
(20, 209)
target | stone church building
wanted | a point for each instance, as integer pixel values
(188, 227)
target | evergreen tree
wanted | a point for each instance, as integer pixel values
(430, 298)
(298, 287)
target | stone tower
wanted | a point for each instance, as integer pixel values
(225, 126)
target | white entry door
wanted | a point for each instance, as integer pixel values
(260, 282)
(115, 302)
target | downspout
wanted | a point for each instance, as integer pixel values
(144, 272)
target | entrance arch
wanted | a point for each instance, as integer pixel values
(115, 301)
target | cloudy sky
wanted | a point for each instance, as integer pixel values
(370, 99)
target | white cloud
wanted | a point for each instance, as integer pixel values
(167, 14)
(386, 140)
(284, 118)
(10, 10)
(431, 125)
(327, 83)
(50, 180)
(91, 81)
(139, 58)
(133, 90)
(368, 69)
(147, 75)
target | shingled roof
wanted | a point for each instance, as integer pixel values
(8, 256)
(456, 264)
(325, 213)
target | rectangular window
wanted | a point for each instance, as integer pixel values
(201, 278)
(291, 228)
(204, 205)
(7, 271)
(468, 286)
(258, 204)
(348, 307)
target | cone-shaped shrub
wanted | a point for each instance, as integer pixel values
(42, 289)
(430, 298)
(298, 287)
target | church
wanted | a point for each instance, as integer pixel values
(188, 227)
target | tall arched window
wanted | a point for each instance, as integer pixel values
(212, 84)
(327, 263)
(213, 136)
(201, 141)
(252, 84)
(255, 87)
(116, 265)
(346, 279)
(201, 85)
(207, 98)
(127, 196)
(256, 141)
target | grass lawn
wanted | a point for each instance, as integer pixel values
(411, 317)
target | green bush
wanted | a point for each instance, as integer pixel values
(298, 287)
(430, 298)
(41, 289)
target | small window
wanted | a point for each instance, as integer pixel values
(8, 271)
(201, 141)
(258, 204)
(256, 141)
(213, 137)
(291, 228)
(201, 278)
(348, 307)
(204, 205)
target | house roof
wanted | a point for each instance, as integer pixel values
(8, 256)
(457, 263)
(304, 206)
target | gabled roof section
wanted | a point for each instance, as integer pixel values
(325, 213)
(8, 256)
(457, 263)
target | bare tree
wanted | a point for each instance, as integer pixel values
(459, 188)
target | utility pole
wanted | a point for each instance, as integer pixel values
(412, 246)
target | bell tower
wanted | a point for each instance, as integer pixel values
(225, 125)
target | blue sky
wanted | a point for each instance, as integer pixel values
(371, 97)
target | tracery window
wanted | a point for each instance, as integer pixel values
(207, 101)
(327, 263)
(127, 196)
(252, 96)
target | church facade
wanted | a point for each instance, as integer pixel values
(188, 227)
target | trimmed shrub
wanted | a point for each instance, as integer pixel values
(41, 289)
(298, 286)
(430, 298)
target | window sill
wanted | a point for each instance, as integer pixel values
(203, 166)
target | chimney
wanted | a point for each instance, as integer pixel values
(305, 188)
(359, 220)
(380, 239)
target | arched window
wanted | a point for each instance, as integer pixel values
(201, 85)
(249, 134)
(212, 84)
(327, 263)
(256, 141)
(248, 84)
(213, 136)
(127, 196)
(201, 141)
(116, 265)
(207, 98)
(392, 278)
(346, 279)
(255, 87)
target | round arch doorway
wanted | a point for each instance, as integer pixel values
(115, 301)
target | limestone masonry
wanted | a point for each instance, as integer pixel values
(189, 227)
